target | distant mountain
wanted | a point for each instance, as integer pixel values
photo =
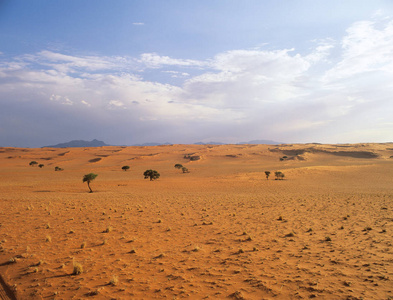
(79, 143)
(96, 143)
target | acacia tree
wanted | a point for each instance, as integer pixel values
(89, 178)
(33, 163)
(178, 166)
(279, 175)
(41, 165)
(267, 173)
(185, 170)
(125, 168)
(152, 174)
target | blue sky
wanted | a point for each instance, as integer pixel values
(129, 72)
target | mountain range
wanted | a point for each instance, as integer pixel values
(97, 143)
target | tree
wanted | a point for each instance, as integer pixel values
(178, 166)
(267, 173)
(58, 169)
(41, 165)
(125, 168)
(152, 174)
(33, 163)
(89, 178)
(185, 170)
(279, 175)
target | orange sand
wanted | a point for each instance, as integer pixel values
(220, 231)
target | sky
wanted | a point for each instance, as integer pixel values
(136, 71)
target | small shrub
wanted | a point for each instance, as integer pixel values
(114, 280)
(89, 178)
(77, 269)
(279, 175)
(108, 229)
(178, 166)
(196, 249)
(33, 163)
(41, 166)
(125, 168)
(152, 174)
(185, 170)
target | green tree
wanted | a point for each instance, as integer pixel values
(89, 178)
(33, 163)
(58, 169)
(125, 168)
(41, 165)
(267, 173)
(185, 170)
(152, 174)
(178, 166)
(279, 175)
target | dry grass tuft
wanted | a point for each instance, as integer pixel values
(77, 268)
(114, 281)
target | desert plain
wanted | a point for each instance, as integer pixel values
(221, 231)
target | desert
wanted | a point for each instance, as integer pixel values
(220, 231)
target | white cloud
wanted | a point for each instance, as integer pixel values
(138, 23)
(367, 47)
(85, 103)
(338, 87)
(153, 60)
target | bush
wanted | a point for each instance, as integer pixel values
(279, 175)
(33, 163)
(152, 174)
(125, 168)
(178, 166)
(89, 178)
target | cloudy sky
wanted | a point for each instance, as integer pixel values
(136, 71)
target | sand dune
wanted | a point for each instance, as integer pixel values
(222, 231)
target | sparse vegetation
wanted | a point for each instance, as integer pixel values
(279, 175)
(267, 173)
(41, 166)
(58, 169)
(125, 168)
(152, 174)
(185, 170)
(178, 166)
(114, 280)
(33, 163)
(77, 268)
(89, 178)
(108, 229)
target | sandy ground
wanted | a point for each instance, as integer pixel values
(221, 231)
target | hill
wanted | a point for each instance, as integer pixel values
(78, 143)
